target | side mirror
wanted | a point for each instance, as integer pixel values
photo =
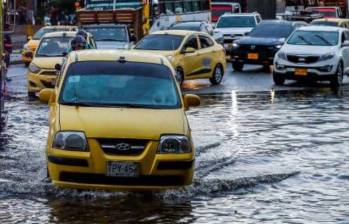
(189, 50)
(345, 43)
(191, 100)
(58, 67)
(47, 95)
(132, 38)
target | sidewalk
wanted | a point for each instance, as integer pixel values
(16, 57)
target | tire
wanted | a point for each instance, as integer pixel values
(238, 66)
(31, 95)
(26, 64)
(266, 68)
(278, 79)
(217, 75)
(337, 79)
(180, 75)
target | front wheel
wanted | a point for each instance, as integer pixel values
(337, 79)
(217, 75)
(238, 66)
(31, 95)
(278, 79)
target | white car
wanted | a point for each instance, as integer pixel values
(313, 52)
(236, 25)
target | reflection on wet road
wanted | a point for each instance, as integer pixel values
(268, 156)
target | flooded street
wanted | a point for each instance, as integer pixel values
(263, 154)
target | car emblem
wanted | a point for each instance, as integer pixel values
(253, 47)
(301, 59)
(123, 147)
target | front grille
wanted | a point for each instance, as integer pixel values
(123, 146)
(48, 73)
(48, 84)
(302, 59)
(90, 178)
(254, 48)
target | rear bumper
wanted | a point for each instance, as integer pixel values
(27, 56)
(88, 170)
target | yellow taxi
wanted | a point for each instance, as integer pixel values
(33, 42)
(194, 55)
(331, 22)
(52, 49)
(117, 122)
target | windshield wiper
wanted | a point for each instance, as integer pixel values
(91, 104)
(111, 40)
(323, 39)
(305, 40)
(50, 55)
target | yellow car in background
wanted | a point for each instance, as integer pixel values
(117, 122)
(344, 23)
(53, 47)
(194, 55)
(33, 42)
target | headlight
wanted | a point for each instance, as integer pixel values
(282, 55)
(326, 57)
(174, 144)
(34, 68)
(278, 46)
(236, 45)
(70, 140)
(170, 58)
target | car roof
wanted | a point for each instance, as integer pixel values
(61, 34)
(176, 32)
(105, 25)
(60, 27)
(278, 22)
(187, 24)
(239, 14)
(332, 20)
(115, 55)
(321, 28)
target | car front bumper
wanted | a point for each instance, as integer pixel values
(88, 170)
(37, 82)
(265, 57)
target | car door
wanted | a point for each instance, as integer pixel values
(206, 56)
(190, 62)
(345, 50)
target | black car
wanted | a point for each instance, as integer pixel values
(199, 26)
(262, 43)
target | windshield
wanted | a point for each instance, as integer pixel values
(108, 33)
(272, 30)
(160, 42)
(40, 33)
(324, 12)
(324, 23)
(236, 21)
(53, 46)
(115, 84)
(316, 38)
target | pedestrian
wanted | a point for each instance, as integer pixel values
(54, 16)
(8, 49)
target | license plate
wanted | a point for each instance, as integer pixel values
(253, 56)
(301, 71)
(122, 169)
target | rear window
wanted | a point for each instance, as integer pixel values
(161, 42)
(192, 27)
(116, 84)
(236, 21)
(40, 33)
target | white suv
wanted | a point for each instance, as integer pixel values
(234, 26)
(314, 52)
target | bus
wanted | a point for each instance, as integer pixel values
(163, 13)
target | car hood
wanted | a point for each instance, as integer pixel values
(308, 50)
(230, 31)
(260, 41)
(122, 122)
(110, 45)
(47, 62)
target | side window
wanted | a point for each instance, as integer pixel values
(191, 42)
(346, 36)
(205, 42)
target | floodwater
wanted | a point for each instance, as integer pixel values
(265, 156)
